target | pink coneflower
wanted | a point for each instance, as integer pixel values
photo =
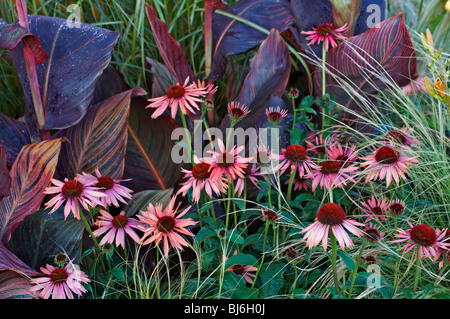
(250, 173)
(387, 162)
(117, 227)
(199, 178)
(397, 207)
(444, 253)
(269, 215)
(111, 187)
(331, 216)
(243, 271)
(165, 225)
(296, 157)
(291, 253)
(185, 97)
(294, 93)
(345, 156)
(424, 237)
(74, 193)
(301, 182)
(275, 115)
(228, 164)
(237, 111)
(318, 144)
(326, 32)
(372, 233)
(60, 283)
(209, 88)
(332, 174)
(375, 208)
(402, 137)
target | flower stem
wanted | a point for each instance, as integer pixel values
(266, 229)
(333, 261)
(355, 271)
(416, 278)
(94, 239)
(291, 181)
(186, 131)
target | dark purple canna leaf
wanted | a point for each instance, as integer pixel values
(14, 286)
(267, 78)
(77, 58)
(309, 14)
(11, 35)
(148, 158)
(30, 175)
(170, 50)
(9, 261)
(364, 60)
(41, 236)
(5, 179)
(13, 136)
(99, 140)
(233, 37)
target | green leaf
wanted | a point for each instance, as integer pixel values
(241, 259)
(204, 233)
(118, 273)
(141, 200)
(271, 278)
(348, 261)
(308, 101)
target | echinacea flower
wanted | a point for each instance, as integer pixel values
(111, 187)
(199, 178)
(387, 163)
(250, 172)
(294, 93)
(237, 111)
(291, 253)
(331, 216)
(301, 182)
(414, 86)
(270, 215)
(165, 225)
(441, 252)
(402, 137)
(345, 155)
(74, 193)
(229, 164)
(209, 87)
(397, 207)
(332, 173)
(60, 282)
(244, 271)
(275, 115)
(296, 157)
(328, 33)
(375, 208)
(184, 97)
(316, 143)
(117, 227)
(424, 237)
(372, 233)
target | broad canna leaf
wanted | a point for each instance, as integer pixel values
(170, 50)
(233, 37)
(13, 136)
(148, 157)
(345, 12)
(369, 60)
(77, 58)
(14, 286)
(158, 77)
(99, 140)
(9, 261)
(267, 78)
(30, 175)
(5, 179)
(12, 34)
(140, 200)
(41, 236)
(309, 14)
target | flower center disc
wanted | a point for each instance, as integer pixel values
(386, 155)
(376, 210)
(201, 171)
(396, 208)
(238, 269)
(222, 160)
(72, 189)
(175, 91)
(296, 153)
(372, 235)
(59, 275)
(342, 159)
(166, 224)
(330, 167)
(270, 215)
(325, 29)
(275, 116)
(236, 113)
(396, 136)
(331, 214)
(105, 182)
(120, 221)
(423, 235)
